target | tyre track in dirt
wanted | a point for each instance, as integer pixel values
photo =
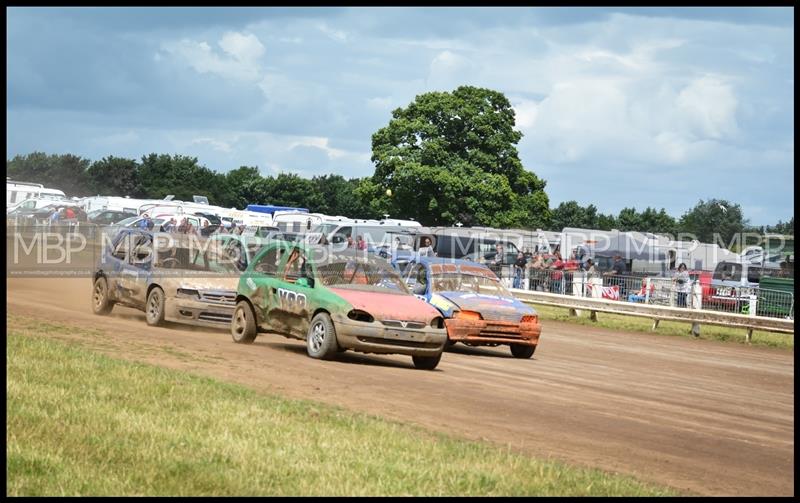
(702, 416)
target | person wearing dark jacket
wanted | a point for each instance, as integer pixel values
(519, 269)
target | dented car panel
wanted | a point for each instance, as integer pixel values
(369, 315)
(492, 318)
(191, 296)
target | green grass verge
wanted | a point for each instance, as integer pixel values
(637, 324)
(81, 423)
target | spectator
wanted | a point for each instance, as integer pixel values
(528, 255)
(206, 230)
(590, 268)
(519, 269)
(170, 225)
(350, 242)
(145, 223)
(618, 269)
(361, 244)
(69, 213)
(557, 262)
(426, 250)
(54, 217)
(499, 255)
(682, 284)
(183, 228)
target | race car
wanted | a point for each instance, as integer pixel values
(335, 301)
(478, 309)
(179, 278)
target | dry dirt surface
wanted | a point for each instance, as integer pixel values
(704, 417)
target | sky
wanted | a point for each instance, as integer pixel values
(619, 107)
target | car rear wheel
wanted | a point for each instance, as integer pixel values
(243, 324)
(154, 309)
(321, 339)
(426, 362)
(522, 351)
(100, 301)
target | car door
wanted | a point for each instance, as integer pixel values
(293, 298)
(262, 282)
(136, 270)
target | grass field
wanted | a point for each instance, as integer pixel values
(81, 423)
(675, 328)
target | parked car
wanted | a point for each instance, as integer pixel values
(174, 279)
(335, 302)
(107, 217)
(479, 310)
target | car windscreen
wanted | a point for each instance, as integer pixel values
(468, 282)
(212, 259)
(357, 274)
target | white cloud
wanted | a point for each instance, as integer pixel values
(448, 70)
(380, 103)
(337, 35)
(214, 144)
(708, 106)
(238, 60)
(245, 48)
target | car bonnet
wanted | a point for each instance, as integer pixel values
(388, 306)
(491, 307)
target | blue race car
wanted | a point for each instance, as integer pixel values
(478, 309)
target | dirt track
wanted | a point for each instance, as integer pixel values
(701, 416)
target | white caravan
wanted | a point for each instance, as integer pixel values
(17, 192)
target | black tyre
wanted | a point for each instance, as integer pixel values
(321, 338)
(243, 323)
(450, 343)
(426, 362)
(100, 297)
(522, 351)
(154, 308)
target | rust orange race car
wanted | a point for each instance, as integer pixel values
(479, 310)
(335, 301)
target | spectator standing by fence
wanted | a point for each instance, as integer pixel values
(682, 284)
(519, 269)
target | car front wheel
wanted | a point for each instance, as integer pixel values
(100, 298)
(243, 324)
(426, 362)
(522, 351)
(321, 339)
(154, 309)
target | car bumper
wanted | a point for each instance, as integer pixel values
(195, 312)
(492, 332)
(374, 337)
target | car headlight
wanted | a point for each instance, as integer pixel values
(359, 315)
(437, 322)
(468, 315)
(530, 318)
(188, 293)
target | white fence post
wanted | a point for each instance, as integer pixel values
(647, 290)
(751, 309)
(697, 303)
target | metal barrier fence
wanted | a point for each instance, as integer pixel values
(662, 291)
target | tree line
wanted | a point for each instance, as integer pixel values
(446, 158)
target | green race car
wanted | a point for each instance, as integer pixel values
(335, 301)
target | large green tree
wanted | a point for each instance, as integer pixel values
(66, 172)
(114, 176)
(335, 195)
(182, 176)
(451, 157)
(714, 221)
